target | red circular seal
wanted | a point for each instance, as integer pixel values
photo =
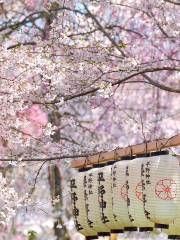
(166, 189)
(124, 192)
(138, 191)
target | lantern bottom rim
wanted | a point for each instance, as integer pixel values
(173, 236)
(145, 229)
(130, 229)
(117, 231)
(101, 234)
(91, 237)
(159, 225)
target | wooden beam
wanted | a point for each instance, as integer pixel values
(152, 146)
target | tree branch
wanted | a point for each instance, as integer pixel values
(54, 158)
(143, 73)
(32, 17)
(21, 44)
(103, 30)
(173, 2)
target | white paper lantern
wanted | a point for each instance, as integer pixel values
(105, 197)
(79, 206)
(120, 195)
(98, 221)
(160, 193)
(174, 228)
(136, 206)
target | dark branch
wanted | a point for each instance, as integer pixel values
(143, 73)
(54, 158)
(21, 44)
(106, 34)
(173, 2)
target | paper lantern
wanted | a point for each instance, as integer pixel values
(174, 228)
(105, 198)
(82, 225)
(120, 195)
(160, 176)
(97, 219)
(136, 205)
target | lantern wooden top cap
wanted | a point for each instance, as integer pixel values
(147, 147)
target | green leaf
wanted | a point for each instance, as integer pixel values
(54, 6)
(122, 45)
(32, 235)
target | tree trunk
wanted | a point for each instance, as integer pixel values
(60, 229)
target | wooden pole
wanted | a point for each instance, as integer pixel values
(154, 145)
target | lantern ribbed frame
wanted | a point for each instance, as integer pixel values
(80, 206)
(160, 192)
(119, 190)
(93, 202)
(174, 228)
(136, 208)
(113, 224)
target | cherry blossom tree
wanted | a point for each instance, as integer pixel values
(78, 77)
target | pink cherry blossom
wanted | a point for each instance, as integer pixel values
(31, 3)
(36, 115)
(33, 121)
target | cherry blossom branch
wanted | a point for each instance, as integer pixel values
(32, 17)
(161, 86)
(21, 44)
(103, 30)
(54, 158)
(35, 180)
(120, 81)
(173, 2)
(110, 27)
